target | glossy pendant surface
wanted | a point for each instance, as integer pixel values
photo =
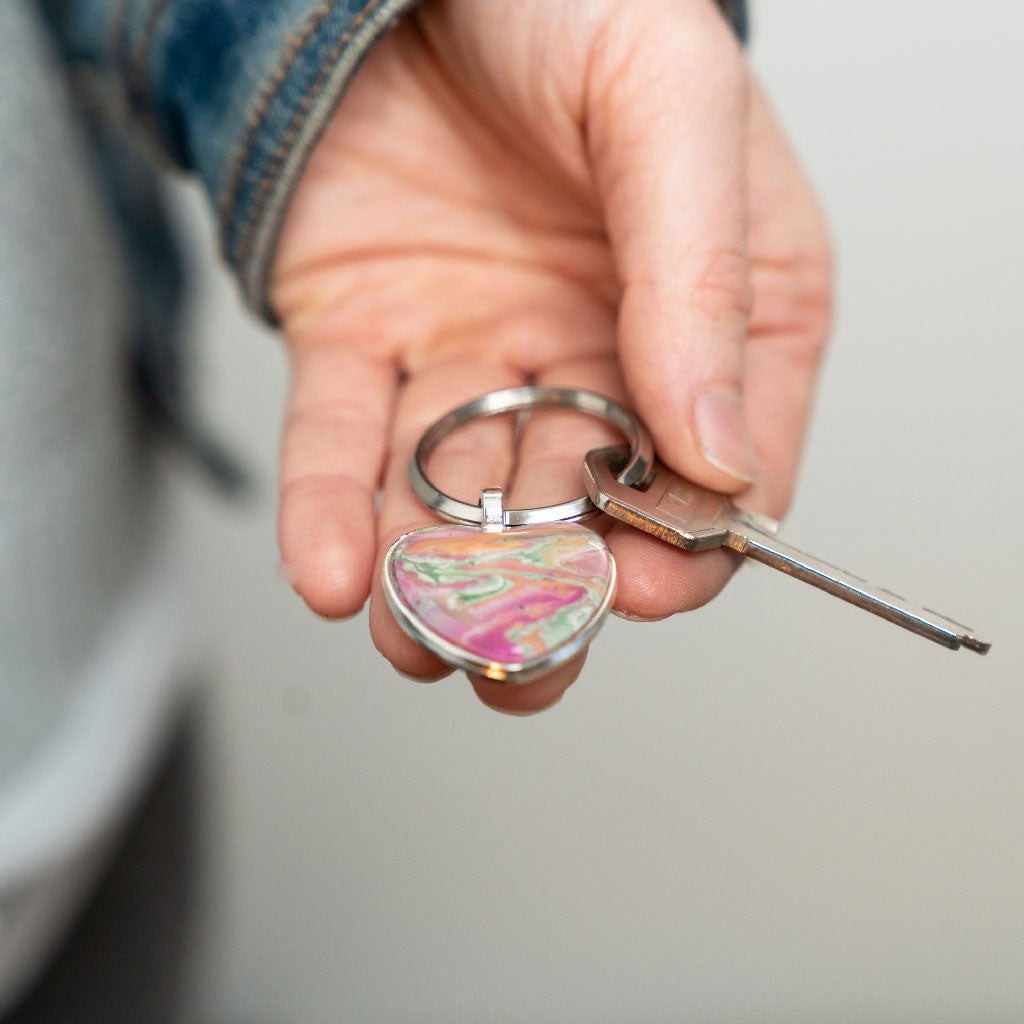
(508, 605)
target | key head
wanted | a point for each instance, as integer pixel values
(670, 507)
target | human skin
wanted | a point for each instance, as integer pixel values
(591, 194)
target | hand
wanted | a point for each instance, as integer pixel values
(591, 194)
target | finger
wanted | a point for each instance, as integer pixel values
(666, 123)
(331, 455)
(791, 263)
(479, 455)
(475, 456)
(532, 697)
(657, 579)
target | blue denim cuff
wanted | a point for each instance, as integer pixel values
(251, 162)
(237, 91)
(246, 88)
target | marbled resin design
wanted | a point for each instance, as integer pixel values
(508, 598)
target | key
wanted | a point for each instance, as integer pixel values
(696, 519)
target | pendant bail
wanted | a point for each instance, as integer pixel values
(493, 504)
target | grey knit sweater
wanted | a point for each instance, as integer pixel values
(85, 606)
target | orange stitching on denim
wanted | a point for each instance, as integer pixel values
(139, 56)
(262, 105)
(245, 243)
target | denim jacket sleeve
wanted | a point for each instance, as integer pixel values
(237, 91)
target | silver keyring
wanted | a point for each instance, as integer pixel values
(637, 468)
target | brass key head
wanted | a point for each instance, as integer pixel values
(668, 506)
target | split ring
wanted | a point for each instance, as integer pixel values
(637, 468)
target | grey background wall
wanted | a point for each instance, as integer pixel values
(775, 809)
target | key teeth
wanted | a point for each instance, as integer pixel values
(972, 643)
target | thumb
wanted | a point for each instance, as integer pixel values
(666, 125)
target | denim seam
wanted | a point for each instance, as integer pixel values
(262, 193)
(138, 87)
(270, 88)
(253, 274)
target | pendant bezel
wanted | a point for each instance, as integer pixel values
(513, 673)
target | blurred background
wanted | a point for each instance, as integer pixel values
(778, 808)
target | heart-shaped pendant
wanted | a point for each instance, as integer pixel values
(518, 591)
(509, 605)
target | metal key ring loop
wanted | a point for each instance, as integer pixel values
(637, 468)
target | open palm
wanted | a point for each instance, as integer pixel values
(590, 195)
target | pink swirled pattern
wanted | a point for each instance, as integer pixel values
(507, 597)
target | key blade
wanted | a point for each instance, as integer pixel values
(747, 538)
(671, 508)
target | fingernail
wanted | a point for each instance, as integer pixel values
(724, 438)
(633, 617)
(520, 712)
(432, 678)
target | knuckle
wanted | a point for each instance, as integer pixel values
(723, 289)
(815, 270)
(816, 292)
(812, 301)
